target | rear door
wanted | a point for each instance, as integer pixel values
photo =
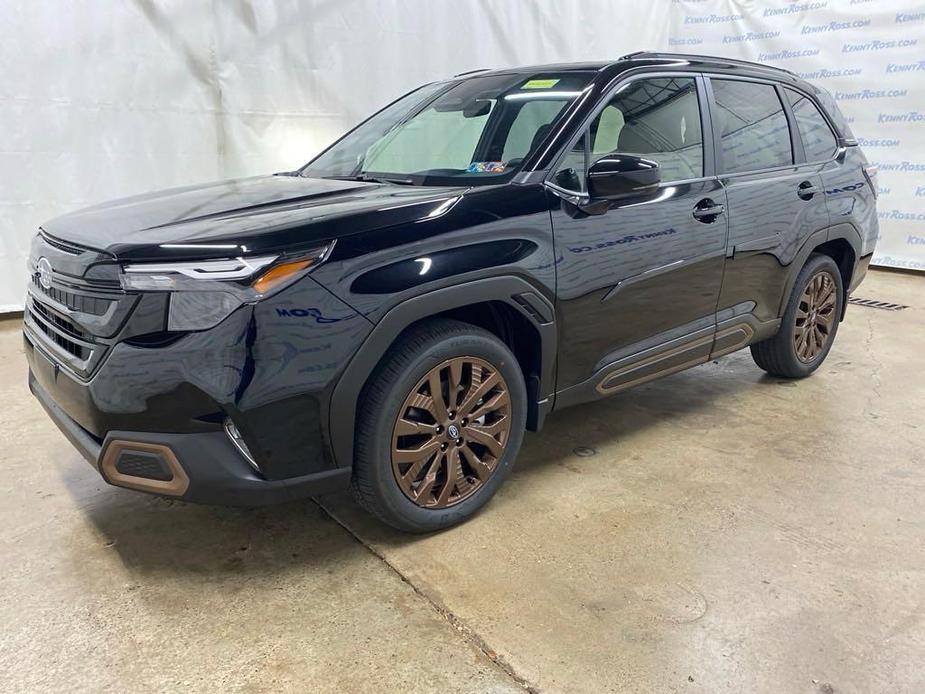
(776, 201)
(849, 194)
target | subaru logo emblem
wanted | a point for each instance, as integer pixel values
(44, 270)
(453, 431)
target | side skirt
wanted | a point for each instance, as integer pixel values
(668, 358)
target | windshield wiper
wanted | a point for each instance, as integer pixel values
(366, 178)
(383, 179)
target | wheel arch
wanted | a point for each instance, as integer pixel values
(510, 307)
(842, 243)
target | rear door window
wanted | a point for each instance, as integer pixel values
(753, 128)
(819, 142)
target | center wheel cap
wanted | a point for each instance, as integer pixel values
(452, 431)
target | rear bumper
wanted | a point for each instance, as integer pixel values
(203, 467)
(860, 272)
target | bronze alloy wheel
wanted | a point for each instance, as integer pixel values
(815, 316)
(451, 432)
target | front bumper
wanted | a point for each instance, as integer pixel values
(115, 379)
(202, 467)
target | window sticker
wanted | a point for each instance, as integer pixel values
(540, 84)
(487, 167)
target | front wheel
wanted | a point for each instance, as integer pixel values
(809, 324)
(440, 424)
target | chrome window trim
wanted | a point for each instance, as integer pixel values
(584, 197)
(768, 170)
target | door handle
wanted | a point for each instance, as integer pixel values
(807, 190)
(707, 211)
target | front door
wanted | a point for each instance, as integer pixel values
(638, 281)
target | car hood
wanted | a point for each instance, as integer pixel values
(265, 213)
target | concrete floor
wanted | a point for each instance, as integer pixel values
(715, 531)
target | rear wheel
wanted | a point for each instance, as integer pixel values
(440, 424)
(809, 324)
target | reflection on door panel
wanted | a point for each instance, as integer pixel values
(635, 272)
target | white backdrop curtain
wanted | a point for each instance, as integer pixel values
(106, 99)
(870, 54)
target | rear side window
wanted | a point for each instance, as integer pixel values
(819, 142)
(831, 108)
(753, 126)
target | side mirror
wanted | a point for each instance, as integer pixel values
(623, 175)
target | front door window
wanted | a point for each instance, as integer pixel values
(658, 118)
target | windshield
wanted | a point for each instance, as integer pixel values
(477, 131)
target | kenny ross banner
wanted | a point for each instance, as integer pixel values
(870, 55)
(98, 102)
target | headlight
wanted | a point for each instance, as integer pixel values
(203, 293)
(188, 275)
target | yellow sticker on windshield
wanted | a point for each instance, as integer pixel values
(540, 84)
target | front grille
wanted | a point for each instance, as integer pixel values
(75, 302)
(69, 346)
(59, 321)
(82, 312)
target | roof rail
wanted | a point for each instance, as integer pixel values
(711, 58)
(630, 56)
(472, 72)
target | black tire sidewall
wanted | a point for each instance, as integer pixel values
(815, 264)
(398, 508)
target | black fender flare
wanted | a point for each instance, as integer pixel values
(844, 231)
(514, 291)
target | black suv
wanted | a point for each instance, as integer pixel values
(481, 252)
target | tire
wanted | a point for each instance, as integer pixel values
(783, 355)
(412, 495)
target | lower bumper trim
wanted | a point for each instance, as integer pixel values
(206, 467)
(86, 444)
(174, 483)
